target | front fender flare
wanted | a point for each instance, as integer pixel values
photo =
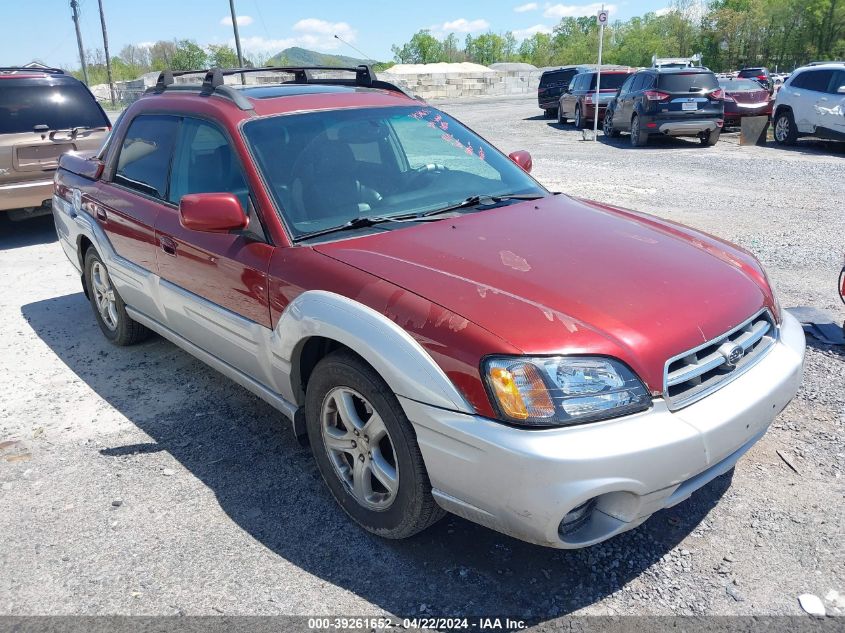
(400, 360)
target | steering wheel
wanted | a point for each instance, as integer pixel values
(429, 169)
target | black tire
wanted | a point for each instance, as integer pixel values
(123, 331)
(607, 125)
(579, 120)
(560, 118)
(413, 508)
(709, 139)
(639, 137)
(785, 131)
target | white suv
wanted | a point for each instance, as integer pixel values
(811, 102)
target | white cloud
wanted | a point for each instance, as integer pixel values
(523, 8)
(311, 33)
(663, 11)
(575, 10)
(523, 34)
(243, 20)
(145, 44)
(461, 25)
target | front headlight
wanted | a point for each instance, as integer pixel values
(562, 390)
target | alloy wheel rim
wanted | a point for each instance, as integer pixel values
(608, 126)
(104, 295)
(359, 448)
(635, 129)
(577, 117)
(782, 128)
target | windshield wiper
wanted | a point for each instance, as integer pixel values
(356, 223)
(475, 201)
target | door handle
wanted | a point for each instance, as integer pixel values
(168, 245)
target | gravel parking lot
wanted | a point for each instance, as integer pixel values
(138, 481)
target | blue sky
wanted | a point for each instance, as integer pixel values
(43, 29)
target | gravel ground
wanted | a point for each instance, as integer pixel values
(138, 481)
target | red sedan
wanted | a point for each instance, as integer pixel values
(744, 97)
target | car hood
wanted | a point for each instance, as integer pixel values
(560, 275)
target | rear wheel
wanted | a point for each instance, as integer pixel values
(639, 136)
(579, 120)
(560, 118)
(550, 113)
(785, 131)
(366, 450)
(109, 309)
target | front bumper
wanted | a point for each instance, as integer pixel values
(523, 482)
(20, 195)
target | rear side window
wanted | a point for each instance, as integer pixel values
(59, 107)
(144, 158)
(687, 82)
(608, 81)
(816, 80)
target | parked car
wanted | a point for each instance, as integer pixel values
(43, 113)
(744, 97)
(811, 103)
(760, 74)
(578, 101)
(676, 62)
(672, 102)
(367, 265)
(552, 84)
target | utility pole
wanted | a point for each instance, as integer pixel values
(74, 6)
(601, 18)
(237, 35)
(106, 48)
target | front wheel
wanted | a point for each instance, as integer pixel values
(785, 131)
(110, 310)
(366, 450)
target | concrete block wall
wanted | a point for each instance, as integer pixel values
(457, 85)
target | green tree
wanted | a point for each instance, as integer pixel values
(423, 48)
(486, 49)
(222, 56)
(188, 56)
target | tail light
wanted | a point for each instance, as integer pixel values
(763, 77)
(588, 98)
(656, 95)
(718, 94)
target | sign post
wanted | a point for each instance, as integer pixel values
(601, 18)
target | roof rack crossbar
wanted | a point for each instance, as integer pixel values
(214, 80)
(32, 69)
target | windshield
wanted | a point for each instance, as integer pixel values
(740, 85)
(327, 168)
(58, 107)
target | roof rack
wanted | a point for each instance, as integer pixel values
(213, 82)
(822, 63)
(31, 69)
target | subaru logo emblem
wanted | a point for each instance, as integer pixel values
(732, 353)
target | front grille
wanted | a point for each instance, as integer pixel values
(692, 375)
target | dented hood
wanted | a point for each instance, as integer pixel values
(559, 275)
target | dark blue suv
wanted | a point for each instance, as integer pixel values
(667, 101)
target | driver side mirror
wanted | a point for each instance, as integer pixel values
(212, 212)
(523, 159)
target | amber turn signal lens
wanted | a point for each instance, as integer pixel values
(521, 392)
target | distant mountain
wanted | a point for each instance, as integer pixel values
(296, 56)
